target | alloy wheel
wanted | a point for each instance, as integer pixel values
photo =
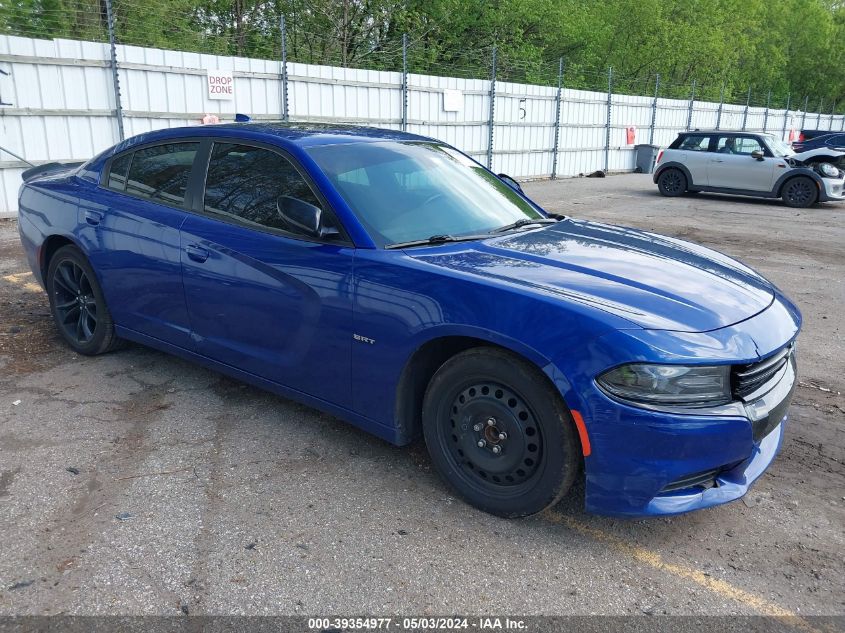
(75, 303)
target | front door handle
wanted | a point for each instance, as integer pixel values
(717, 160)
(93, 217)
(197, 253)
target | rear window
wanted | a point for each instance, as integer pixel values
(161, 172)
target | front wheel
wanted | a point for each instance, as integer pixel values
(77, 303)
(672, 182)
(800, 192)
(499, 433)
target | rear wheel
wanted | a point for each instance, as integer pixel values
(800, 192)
(672, 182)
(77, 303)
(499, 433)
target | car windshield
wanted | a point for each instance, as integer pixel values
(409, 191)
(778, 147)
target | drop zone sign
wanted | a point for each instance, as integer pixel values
(220, 84)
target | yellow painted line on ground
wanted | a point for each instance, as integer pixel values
(655, 560)
(20, 279)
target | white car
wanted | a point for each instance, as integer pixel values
(749, 164)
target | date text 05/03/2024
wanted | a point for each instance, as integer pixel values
(417, 623)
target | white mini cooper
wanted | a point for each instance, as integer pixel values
(749, 164)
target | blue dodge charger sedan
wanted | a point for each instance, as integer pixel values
(392, 281)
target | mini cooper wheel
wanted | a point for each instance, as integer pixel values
(800, 192)
(77, 303)
(499, 433)
(672, 182)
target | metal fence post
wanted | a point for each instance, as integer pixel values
(766, 115)
(654, 110)
(285, 112)
(745, 114)
(114, 75)
(492, 112)
(607, 126)
(404, 81)
(721, 104)
(557, 118)
(786, 116)
(832, 110)
(819, 114)
(691, 104)
(804, 113)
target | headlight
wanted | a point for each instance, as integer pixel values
(828, 170)
(676, 385)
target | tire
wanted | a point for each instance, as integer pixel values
(672, 182)
(538, 451)
(77, 303)
(800, 192)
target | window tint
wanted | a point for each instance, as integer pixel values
(738, 145)
(161, 172)
(247, 182)
(117, 172)
(695, 143)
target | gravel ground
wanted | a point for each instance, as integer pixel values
(136, 483)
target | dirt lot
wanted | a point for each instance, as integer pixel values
(136, 483)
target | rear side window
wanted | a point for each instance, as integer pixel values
(695, 143)
(161, 172)
(117, 172)
(246, 182)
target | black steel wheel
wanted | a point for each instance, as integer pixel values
(800, 192)
(499, 433)
(672, 182)
(77, 303)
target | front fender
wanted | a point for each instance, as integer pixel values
(400, 305)
(792, 173)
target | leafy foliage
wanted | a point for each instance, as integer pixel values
(773, 47)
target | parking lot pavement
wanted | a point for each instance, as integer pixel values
(136, 483)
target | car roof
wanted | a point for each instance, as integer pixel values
(299, 134)
(723, 132)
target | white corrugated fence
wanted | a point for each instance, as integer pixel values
(58, 104)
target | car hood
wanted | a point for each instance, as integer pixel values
(653, 281)
(819, 151)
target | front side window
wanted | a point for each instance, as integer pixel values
(246, 183)
(743, 145)
(161, 172)
(413, 190)
(695, 143)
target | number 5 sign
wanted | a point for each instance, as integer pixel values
(220, 84)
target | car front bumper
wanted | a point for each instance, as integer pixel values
(644, 462)
(658, 463)
(833, 190)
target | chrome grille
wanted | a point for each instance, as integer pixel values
(746, 379)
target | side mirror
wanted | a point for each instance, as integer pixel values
(758, 154)
(303, 217)
(510, 182)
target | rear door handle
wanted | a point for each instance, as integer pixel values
(93, 217)
(717, 160)
(197, 253)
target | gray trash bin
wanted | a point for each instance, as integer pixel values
(646, 155)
